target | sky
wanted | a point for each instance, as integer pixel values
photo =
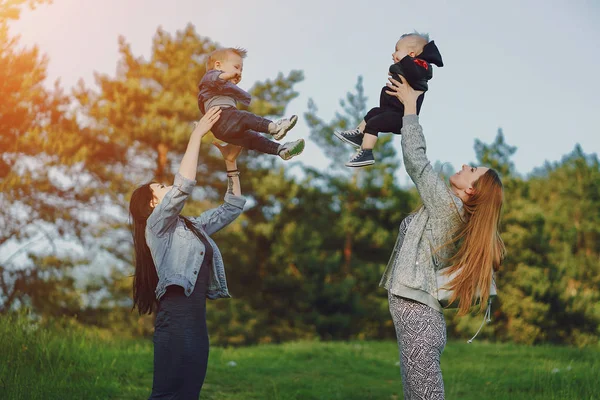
(529, 67)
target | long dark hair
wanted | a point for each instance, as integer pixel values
(145, 278)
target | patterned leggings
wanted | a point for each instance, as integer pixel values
(421, 333)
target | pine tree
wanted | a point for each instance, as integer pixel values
(43, 180)
(148, 108)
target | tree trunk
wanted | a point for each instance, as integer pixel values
(348, 241)
(10, 295)
(161, 162)
(347, 253)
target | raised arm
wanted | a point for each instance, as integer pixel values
(168, 208)
(217, 218)
(432, 189)
(213, 76)
(189, 163)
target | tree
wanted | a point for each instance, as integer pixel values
(368, 206)
(496, 155)
(148, 108)
(568, 192)
(43, 174)
(521, 310)
(548, 283)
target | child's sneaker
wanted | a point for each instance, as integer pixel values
(353, 137)
(362, 158)
(291, 149)
(283, 126)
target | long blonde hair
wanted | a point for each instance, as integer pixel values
(480, 247)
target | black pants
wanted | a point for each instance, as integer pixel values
(181, 342)
(388, 116)
(241, 128)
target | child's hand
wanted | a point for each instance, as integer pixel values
(231, 76)
(207, 121)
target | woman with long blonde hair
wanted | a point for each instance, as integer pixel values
(456, 228)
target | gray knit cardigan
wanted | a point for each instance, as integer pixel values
(411, 271)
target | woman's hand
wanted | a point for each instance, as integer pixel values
(207, 121)
(229, 151)
(189, 162)
(405, 93)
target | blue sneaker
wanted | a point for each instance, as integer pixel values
(362, 158)
(353, 137)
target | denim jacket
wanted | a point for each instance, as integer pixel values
(176, 251)
(211, 85)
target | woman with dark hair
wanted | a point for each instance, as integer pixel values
(178, 265)
(457, 227)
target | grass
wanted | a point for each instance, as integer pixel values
(65, 363)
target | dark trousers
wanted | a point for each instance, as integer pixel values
(181, 342)
(388, 116)
(241, 128)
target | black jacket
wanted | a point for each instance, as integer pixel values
(418, 70)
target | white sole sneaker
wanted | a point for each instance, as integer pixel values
(360, 163)
(281, 134)
(345, 140)
(361, 158)
(292, 149)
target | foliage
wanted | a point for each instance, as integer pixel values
(305, 258)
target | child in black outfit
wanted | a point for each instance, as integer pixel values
(413, 57)
(218, 88)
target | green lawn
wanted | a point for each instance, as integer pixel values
(45, 364)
